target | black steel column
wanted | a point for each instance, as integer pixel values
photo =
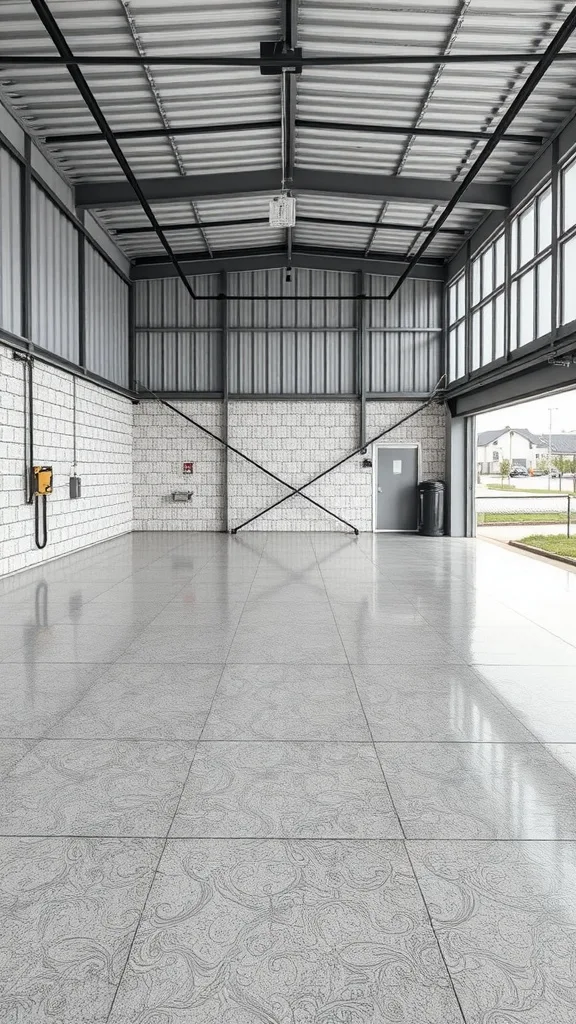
(508, 284)
(132, 337)
(81, 294)
(26, 239)
(361, 353)
(555, 263)
(225, 361)
(467, 314)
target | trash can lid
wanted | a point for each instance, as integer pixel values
(431, 485)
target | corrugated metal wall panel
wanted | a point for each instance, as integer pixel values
(107, 298)
(403, 362)
(10, 245)
(285, 338)
(292, 362)
(179, 361)
(54, 286)
(417, 304)
(166, 303)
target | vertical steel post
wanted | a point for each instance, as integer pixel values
(554, 261)
(81, 294)
(361, 353)
(569, 513)
(26, 239)
(225, 361)
(467, 315)
(508, 285)
(132, 337)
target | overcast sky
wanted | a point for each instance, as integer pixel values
(534, 415)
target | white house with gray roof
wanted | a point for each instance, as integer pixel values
(521, 447)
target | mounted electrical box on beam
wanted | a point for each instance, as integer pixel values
(269, 50)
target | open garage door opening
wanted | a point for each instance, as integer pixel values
(525, 473)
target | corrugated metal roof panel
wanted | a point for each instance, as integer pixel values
(470, 97)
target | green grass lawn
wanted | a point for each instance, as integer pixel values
(554, 492)
(558, 544)
(492, 518)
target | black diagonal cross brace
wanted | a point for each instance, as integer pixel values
(295, 490)
(361, 448)
(247, 458)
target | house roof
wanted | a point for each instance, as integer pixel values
(562, 444)
(490, 436)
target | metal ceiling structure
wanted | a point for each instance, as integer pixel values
(385, 112)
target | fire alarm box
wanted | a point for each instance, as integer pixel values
(188, 467)
(42, 479)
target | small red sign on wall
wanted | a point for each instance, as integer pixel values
(188, 467)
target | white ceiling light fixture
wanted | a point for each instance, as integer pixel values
(283, 211)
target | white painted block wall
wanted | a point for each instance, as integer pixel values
(295, 440)
(104, 457)
(162, 443)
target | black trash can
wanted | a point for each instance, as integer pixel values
(431, 508)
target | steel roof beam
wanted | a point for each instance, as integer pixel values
(53, 30)
(263, 258)
(213, 60)
(251, 126)
(414, 229)
(101, 194)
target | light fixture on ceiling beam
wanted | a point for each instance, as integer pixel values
(283, 211)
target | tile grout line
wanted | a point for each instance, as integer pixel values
(352, 676)
(162, 851)
(431, 923)
(283, 838)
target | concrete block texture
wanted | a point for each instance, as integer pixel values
(104, 462)
(294, 439)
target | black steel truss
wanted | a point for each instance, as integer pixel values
(301, 122)
(239, 184)
(534, 78)
(270, 257)
(414, 229)
(285, 64)
(278, 62)
(53, 30)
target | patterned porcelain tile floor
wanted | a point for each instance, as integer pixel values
(292, 779)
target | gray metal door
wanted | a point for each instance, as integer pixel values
(396, 489)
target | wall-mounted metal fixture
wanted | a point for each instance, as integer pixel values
(181, 496)
(366, 463)
(75, 486)
(42, 488)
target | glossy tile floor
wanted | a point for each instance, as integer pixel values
(288, 779)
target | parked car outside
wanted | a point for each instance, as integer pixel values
(519, 471)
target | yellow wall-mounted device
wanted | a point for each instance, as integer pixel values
(42, 479)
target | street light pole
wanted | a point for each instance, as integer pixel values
(550, 413)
